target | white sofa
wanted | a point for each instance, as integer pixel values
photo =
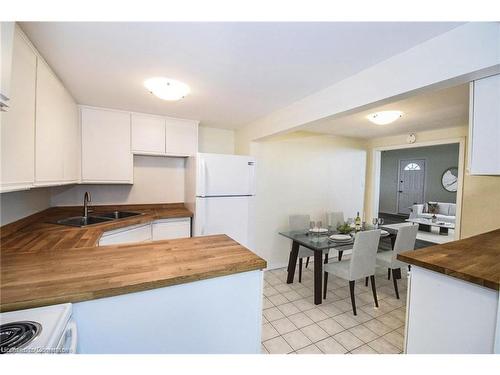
(446, 212)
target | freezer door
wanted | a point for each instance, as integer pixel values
(225, 175)
(224, 215)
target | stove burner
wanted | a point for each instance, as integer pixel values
(16, 335)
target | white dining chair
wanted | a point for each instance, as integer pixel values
(334, 219)
(301, 223)
(405, 241)
(362, 264)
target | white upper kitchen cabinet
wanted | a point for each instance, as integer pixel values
(148, 134)
(106, 148)
(181, 137)
(484, 126)
(167, 136)
(18, 123)
(6, 53)
(73, 136)
(57, 159)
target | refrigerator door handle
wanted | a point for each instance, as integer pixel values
(205, 218)
(252, 187)
(203, 177)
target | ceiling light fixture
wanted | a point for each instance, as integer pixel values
(384, 117)
(166, 88)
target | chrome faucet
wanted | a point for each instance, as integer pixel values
(86, 199)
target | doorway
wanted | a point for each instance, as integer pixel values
(384, 196)
(411, 184)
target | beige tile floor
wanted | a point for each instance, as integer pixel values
(293, 324)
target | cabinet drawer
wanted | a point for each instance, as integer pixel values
(172, 228)
(139, 233)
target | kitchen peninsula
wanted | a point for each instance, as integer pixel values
(188, 295)
(453, 297)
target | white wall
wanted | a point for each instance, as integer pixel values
(18, 204)
(303, 173)
(156, 180)
(215, 140)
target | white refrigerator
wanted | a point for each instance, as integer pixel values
(222, 195)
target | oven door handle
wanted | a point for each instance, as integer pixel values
(73, 330)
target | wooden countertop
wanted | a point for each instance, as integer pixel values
(38, 232)
(474, 259)
(44, 264)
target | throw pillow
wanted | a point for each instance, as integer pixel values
(432, 208)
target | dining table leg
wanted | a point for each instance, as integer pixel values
(318, 275)
(292, 262)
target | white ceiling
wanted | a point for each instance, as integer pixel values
(238, 72)
(437, 109)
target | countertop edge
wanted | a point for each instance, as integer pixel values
(448, 272)
(258, 264)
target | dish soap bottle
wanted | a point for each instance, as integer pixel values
(357, 223)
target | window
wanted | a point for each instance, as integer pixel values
(412, 167)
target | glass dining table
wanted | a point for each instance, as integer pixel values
(317, 243)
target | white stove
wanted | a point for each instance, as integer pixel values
(41, 330)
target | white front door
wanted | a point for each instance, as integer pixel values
(411, 184)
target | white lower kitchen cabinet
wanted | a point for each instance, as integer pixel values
(18, 123)
(163, 229)
(446, 315)
(106, 148)
(167, 229)
(221, 315)
(130, 234)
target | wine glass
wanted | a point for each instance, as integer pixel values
(375, 222)
(312, 224)
(380, 221)
(320, 224)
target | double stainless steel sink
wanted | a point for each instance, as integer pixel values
(81, 221)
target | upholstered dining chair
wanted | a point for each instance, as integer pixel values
(405, 241)
(361, 264)
(334, 219)
(297, 223)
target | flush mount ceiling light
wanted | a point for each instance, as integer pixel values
(384, 117)
(166, 88)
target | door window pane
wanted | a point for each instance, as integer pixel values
(412, 167)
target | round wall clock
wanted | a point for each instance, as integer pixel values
(449, 179)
